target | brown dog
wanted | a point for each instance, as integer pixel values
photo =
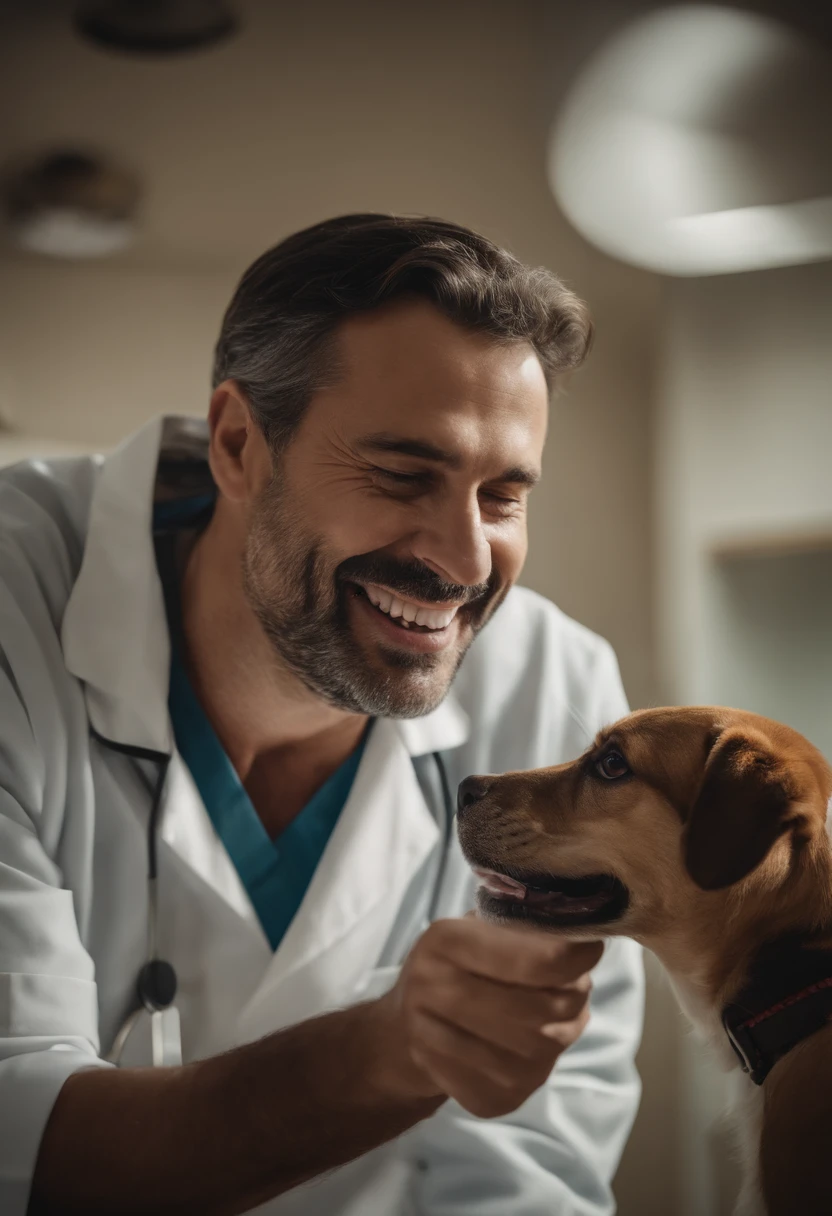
(702, 834)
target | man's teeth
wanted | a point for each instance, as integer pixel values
(431, 618)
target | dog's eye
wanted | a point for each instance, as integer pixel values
(612, 766)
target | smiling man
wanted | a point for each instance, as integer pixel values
(242, 669)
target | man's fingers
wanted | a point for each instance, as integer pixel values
(513, 956)
(564, 1033)
(481, 1077)
(437, 1039)
(506, 1016)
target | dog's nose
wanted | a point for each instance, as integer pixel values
(472, 790)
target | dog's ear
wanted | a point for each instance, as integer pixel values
(742, 808)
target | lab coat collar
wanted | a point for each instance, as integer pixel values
(114, 634)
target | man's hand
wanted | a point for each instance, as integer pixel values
(481, 1012)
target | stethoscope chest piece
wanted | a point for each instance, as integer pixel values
(156, 989)
(156, 985)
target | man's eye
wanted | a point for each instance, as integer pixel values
(499, 504)
(401, 479)
(612, 766)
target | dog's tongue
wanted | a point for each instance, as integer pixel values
(499, 884)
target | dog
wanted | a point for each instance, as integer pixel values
(701, 833)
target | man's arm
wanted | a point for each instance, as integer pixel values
(480, 1012)
(223, 1135)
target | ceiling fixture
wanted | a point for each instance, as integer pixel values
(70, 204)
(155, 27)
(696, 142)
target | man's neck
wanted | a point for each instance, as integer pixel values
(283, 741)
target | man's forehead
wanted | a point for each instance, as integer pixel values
(413, 337)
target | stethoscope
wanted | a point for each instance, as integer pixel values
(156, 983)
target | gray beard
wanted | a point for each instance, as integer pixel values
(303, 612)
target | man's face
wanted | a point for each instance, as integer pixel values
(395, 521)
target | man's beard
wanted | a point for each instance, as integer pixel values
(301, 603)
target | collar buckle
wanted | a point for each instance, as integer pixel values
(742, 1041)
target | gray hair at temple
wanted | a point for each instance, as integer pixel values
(277, 336)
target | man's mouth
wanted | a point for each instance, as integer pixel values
(405, 613)
(549, 900)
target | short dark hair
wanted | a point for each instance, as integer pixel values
(276, 335)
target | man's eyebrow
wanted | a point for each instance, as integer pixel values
(383, 442)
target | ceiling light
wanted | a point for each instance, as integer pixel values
(72, 205)
(696, 142)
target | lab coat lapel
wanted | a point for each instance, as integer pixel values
(384, 834)
(187, 830)
(115, 639)
(114, 634)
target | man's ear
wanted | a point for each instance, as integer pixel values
(742, 808)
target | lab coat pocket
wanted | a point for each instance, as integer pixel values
(376, 982)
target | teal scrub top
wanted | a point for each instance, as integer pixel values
(275, 873)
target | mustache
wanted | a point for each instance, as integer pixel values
(413, 580)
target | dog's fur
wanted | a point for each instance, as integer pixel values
(718, 833)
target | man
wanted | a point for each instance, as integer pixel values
(235, 674)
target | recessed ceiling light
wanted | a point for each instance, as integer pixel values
(72, 205)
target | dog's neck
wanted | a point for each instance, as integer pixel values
(708, 958)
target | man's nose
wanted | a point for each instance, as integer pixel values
(455, 547)
(471, 790)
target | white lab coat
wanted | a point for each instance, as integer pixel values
(84, 651)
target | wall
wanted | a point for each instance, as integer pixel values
(89, 353)
(744, 433)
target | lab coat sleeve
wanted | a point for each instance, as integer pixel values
(557, 1154)
(48, 1003)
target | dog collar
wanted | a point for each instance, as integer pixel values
(786, 998)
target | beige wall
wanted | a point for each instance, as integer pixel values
(317, 109)
(89, 353)
(744, 436)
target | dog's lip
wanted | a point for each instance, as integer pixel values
(497, 883)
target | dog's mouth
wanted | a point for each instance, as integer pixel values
(595, 899)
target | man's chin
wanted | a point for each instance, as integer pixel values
(393, 682)
(393, 685)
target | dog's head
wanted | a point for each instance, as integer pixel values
(666, 805)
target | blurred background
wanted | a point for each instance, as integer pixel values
(673, 164)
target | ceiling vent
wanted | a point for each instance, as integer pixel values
(155, 27)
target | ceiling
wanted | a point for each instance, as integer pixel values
(314, 107)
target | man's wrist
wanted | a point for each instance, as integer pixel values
(393, 1076)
